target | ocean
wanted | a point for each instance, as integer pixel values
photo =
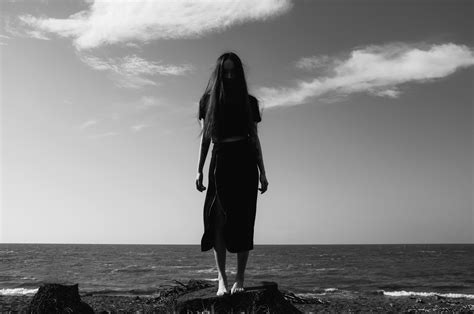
(306, 270)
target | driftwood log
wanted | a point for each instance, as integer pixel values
(259, 299)
(58, 298)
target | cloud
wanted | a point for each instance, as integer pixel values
(15, 29)
(88, 123)
(377, 70)
(143, 112)
(101, 135)
(138, 127)
(314, 62)
(37, 34)
(147, 102)
(130, 71)
(121, 21)
(3, 39)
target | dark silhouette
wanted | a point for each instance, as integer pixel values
(230, 116)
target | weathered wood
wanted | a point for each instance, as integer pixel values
(58, 298)
(259, 299)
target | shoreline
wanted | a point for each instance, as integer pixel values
(332, 303)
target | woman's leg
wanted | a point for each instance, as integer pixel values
(219, 248)
(242, 258)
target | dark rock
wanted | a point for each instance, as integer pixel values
(260, 299)
(57, 298)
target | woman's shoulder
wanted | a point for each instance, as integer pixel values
(253, 99)
(204, 96)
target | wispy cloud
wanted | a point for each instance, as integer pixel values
(147, 102)
(138, 127)
(4, 39)
(131, 71)
(377, 70)
(101, 135)
(87, 124)
(121, 21)
(37, 34)
(144, 112)
(313, 62)
(16, 28)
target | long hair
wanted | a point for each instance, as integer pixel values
(215, 95)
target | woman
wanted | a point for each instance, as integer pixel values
(230, 118)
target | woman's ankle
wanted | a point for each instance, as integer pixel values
(239, 277)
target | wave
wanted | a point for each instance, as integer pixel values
(328, 268)
(309, 295)
(133, 269)
(207, 271)
(213, 270)
(404, 293)
(17, 291)
(319, 292)
(330, 289)
(6, 252)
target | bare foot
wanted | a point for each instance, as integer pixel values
(238, 286)
(222, 287)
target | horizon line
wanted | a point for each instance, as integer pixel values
(263, 244)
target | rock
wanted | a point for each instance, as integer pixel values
(58, 298)
(264, 298)
(419, 300)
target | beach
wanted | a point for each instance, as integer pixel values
(332, 303)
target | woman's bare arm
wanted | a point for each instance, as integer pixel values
(256, 142)
(203, 149)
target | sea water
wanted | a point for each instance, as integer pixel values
(306, 270)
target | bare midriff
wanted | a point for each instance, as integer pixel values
(231, 139)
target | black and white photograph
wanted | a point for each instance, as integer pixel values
(236, 156)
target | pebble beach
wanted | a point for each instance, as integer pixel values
(330, 303)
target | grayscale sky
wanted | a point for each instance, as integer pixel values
(366, 132)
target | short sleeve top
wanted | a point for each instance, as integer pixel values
(254, 105)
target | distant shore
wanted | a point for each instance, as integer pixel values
(375, 303)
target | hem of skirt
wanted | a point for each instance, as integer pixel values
(207, 247)
(240, 250)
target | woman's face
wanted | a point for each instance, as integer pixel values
(229, 69)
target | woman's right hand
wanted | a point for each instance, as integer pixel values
(199, 186)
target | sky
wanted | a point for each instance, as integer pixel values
(366, 131)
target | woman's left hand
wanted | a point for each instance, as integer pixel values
(263, 182)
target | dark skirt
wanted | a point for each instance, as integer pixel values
(233, 178)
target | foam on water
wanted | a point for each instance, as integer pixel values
(17, 291)
(309, 295)
(404, 293)
(320, 292)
